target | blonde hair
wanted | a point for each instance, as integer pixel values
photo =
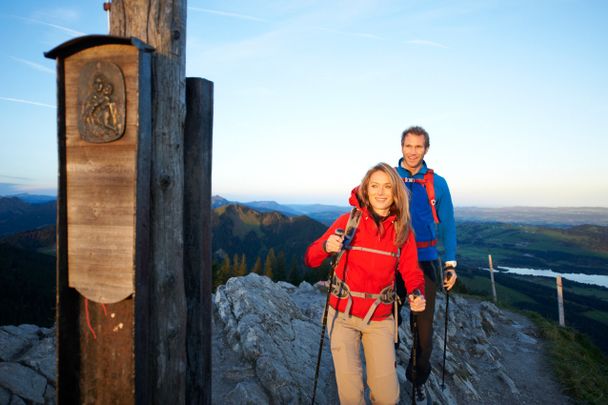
(400, 207)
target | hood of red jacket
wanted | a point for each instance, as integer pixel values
(354, 199)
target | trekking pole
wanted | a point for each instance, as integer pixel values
(337, 257)
(414, 347)
(445, 333)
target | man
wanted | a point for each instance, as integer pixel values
(430, 214)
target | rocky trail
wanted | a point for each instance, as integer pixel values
(265, 343)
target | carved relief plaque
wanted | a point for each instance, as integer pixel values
(101, 101)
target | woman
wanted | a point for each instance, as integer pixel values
(361, 302)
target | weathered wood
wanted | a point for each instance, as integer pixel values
(492, 278)
(142, 242)
(197, 237)
(102, 228)
(162, 24)
(560, 301)
(68, 309)
(101, 182)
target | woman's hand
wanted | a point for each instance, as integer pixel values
(333, 244)
(417, 302)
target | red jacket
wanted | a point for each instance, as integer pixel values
(367, 271)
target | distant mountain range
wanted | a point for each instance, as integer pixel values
(25, 212)
(325, 214)
(550, 216)
(17, 214)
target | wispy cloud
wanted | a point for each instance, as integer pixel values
(33, 65)
(350, 33)
(56, 26)
(228, 14)
(13, 178)
(424, 42)
(55, 13)
(22, 101)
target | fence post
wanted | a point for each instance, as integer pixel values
(492, 278)
(560, 301)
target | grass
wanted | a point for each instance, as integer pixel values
(580, 367)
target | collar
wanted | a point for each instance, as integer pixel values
(403, 170)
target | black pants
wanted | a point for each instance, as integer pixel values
(424, 323)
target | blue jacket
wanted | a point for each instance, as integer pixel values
(422, 215)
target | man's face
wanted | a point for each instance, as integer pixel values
(413, 151)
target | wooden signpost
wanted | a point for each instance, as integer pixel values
(560, 301)
(134, 205)
(104, 117)
(492, 278)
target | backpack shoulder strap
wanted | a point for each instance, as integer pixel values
(429, 185)
(351, 226)
(349, 233)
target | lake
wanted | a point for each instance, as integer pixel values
(594, 279)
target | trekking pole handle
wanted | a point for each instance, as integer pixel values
(416, 293)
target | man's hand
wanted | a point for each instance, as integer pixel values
(417, 301)
(449, 275)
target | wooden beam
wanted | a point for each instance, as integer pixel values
(162, 24)
(197, 237)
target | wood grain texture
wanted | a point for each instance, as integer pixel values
(197, 237)
(101, 185)
(162, 24)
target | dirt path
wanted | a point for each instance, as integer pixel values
(523, 355)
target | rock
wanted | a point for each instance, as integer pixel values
(264, 325)
(13, 342)
(523, 338)
(50, 395)
(5, 396)
(247, 393)
(507, 380)
(266, 340)
(22, 381)
(41, 358)
(15, 400)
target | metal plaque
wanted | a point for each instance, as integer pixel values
(101, 101)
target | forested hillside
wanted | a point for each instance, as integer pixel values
(245, 240)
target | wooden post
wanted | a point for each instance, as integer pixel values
(104, 117)
(492, 278)
(560, 301)
(162, 24)
(197, 237)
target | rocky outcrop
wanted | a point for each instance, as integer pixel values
(27, 365)
(266, 339)
(271, 332)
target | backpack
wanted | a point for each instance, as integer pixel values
(428, 183)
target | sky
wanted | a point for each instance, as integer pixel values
(310, 94)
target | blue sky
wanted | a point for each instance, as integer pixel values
(309, 94)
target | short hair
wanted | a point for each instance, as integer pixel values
(415, 130)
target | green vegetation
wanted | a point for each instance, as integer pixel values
(580, 249)
(581, 368)
(27, 279)
(586, 307)
(273, 266)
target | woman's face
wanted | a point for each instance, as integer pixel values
(380, 192)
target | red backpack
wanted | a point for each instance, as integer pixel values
(429, 186)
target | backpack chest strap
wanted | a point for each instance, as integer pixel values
(380, 252)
